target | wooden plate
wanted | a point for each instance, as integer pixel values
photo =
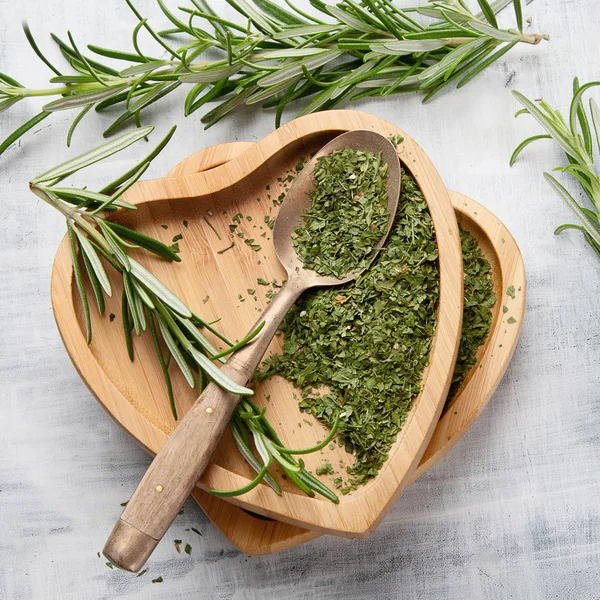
(253, 534)
(211, 283)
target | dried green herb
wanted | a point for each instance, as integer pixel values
(325, 469)
(157, 580)
(511, 321)
(225, 249)
(368, 341)
(348, 215)
(510, 291)
(479, 298)
(187, 549)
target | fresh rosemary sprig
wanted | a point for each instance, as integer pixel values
(276, 57)
(576, 137)
(147, 304)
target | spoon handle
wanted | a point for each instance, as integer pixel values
(177, 467)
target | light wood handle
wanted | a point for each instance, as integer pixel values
(177, 467)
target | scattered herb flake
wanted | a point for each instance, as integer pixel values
(177, 544)
(175, 247)
(262, 281)
(510, 291)
(111, 317)
(165, 226)
(251, 291)
(109, 565)
(187, 549)
(396, 139)
(185, 224)
(325, 469)
(511, 320)
(205, 300)
(177, 237)
(479, 298)
(142, 573)
(196, 531)
(212, 227)
(157, 580)
(124, 503)
(504, 309)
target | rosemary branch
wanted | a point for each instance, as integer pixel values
(147, 304)
(277, 57)
(575, 136)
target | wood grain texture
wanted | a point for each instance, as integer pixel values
(135, 389)
(256, 536)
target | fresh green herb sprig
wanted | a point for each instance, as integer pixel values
(348, 214)
(275, 57)
(147, 304)
(249, 424)
(576, 136)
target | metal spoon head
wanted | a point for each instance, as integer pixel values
(298, 200)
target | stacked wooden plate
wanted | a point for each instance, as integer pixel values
(223, 181)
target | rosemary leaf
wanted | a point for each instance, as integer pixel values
(94, 259)
(89, 158)
(79, 283)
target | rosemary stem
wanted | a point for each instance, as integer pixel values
(72, 214)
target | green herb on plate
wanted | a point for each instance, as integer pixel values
(148, 305)
(479, 298)
(348, 215)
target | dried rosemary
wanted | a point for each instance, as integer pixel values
(368, 341)
(348, 215)
(479, 298)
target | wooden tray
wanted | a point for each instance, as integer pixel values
(256, 535)
(134, 393)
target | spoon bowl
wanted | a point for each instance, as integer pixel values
(298, 200)
(178, 466)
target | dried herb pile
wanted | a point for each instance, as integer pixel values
(477, 309)
(348, 215)
(368, 341)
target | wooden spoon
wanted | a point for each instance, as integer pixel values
(177, 467)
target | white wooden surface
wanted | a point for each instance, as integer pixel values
(512, 512)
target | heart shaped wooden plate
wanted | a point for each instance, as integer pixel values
(213, 284)
(256, 535)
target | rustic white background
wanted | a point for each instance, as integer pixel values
(512, 512)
